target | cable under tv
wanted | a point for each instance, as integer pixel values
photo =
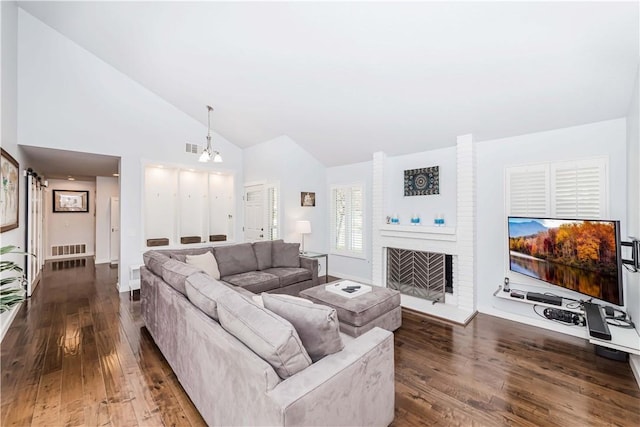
(547, 299)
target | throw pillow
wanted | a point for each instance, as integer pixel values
(317, 325)
(285, 254)
(268, 335)
(206, 262)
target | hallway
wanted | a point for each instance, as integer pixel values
(76, 355)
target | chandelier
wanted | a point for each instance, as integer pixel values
(209, 153)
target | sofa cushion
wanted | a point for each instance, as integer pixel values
(203, 291)
(254, 281)
(154, 261)
(263, 253)
(234, 259)
(285, 254)
(206, 262)
(181, 254)
(175, 273)
(317, 325)
(290, 275)
(267, 334)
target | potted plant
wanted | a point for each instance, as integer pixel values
(10, 294)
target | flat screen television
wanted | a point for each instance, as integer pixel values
(581, 255)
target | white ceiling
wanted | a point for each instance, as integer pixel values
(62, 164)
(345, 79)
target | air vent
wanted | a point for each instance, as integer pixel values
(191, 148)
(62, 250)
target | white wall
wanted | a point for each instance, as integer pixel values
(349, 267)
(67, 228)
(282, 161)
(83, 104)
(9, 106)
(426, 206)
(106, 187)
(596, 139)
(633, 209)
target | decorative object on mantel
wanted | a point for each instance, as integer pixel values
(209, 153)
(217, 237)
(395, 219)
(307, 199)
(439, 220)
(158, 242)
(9, 193)
(415, 219)
(190, 239)
(422, 182)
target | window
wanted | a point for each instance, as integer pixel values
(576, 189)
(273, 228)
(347, 220)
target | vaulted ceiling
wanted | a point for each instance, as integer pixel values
(345, 79)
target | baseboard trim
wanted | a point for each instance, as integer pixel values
(8, 318)
(350, 277)
(634, 362)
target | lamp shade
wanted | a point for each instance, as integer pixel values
(303, 227)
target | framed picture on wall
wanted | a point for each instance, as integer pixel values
(70, 201)
(9, 192)
(307, 199)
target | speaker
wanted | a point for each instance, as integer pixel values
(506, 288)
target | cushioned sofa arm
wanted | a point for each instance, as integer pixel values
(310, 264)
(352, 387)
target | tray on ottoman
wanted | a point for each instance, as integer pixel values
(379, 307)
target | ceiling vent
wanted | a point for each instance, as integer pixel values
(191, 148)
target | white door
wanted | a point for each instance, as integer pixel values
(254, 213)
(114, 239)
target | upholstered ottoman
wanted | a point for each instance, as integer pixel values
(380, 307)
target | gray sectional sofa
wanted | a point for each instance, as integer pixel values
(243, 364)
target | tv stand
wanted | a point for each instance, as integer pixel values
(623, 340)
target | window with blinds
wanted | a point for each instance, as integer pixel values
(273, 229)
(347, 220)
(576, 189)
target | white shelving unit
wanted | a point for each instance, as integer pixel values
(622, 339)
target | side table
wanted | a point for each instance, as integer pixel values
(308, 254)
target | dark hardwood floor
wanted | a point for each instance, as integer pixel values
(78, 354)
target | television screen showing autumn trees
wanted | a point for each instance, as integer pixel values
(578, 255)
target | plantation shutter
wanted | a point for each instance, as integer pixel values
(575, 189)
(528, 192)
(347, 220)
(578, 189)
(273, 231)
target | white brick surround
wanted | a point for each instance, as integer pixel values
(458, 241)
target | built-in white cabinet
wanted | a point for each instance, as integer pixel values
(183, 203)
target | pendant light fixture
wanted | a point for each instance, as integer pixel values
(209, 153)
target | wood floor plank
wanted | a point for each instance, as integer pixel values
(47, 407)
(78, 354)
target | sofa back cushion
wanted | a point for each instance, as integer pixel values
(203, 291)
(206, 262)
(235, 259)
(263, 253)
(175, 273)
(317, 325)
(268, 335)
(181, 254)
(154, 260)
(285, 254)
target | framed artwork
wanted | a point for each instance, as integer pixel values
(70, 201)
(9, 192)
(307, 199)
(422, 182)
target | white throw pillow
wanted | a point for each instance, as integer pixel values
(206, 262)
